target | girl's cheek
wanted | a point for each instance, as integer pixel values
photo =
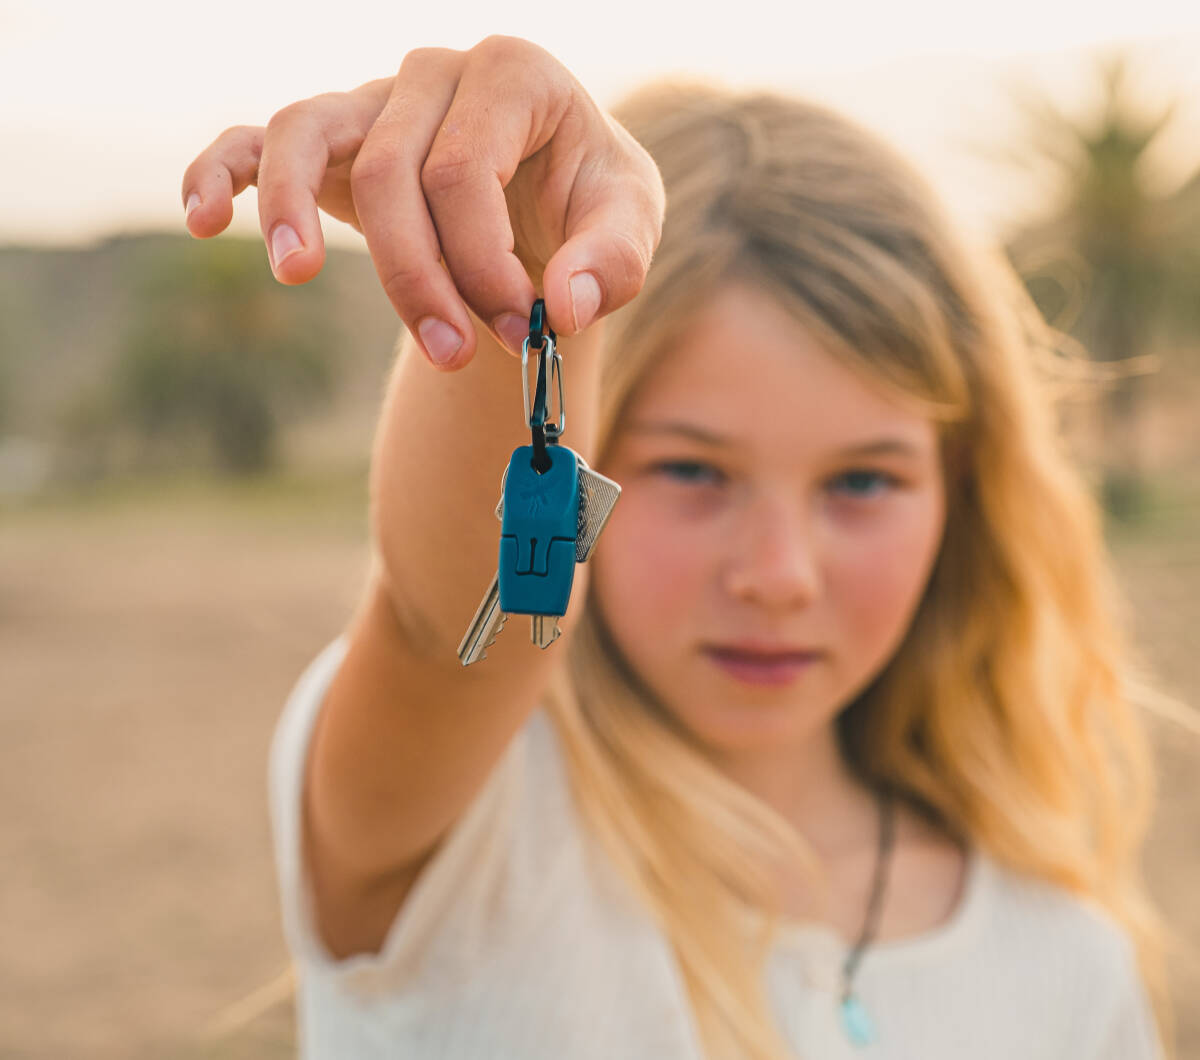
(878, 578)
(652, 545)
(647, 552)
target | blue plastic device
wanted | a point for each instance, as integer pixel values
(537, 533)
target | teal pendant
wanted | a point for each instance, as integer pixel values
(856, 1022)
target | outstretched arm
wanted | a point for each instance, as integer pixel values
(475, 177)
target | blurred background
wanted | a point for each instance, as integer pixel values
(184, 443)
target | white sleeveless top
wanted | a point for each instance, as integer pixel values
(519, 942)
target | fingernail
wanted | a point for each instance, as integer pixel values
(585, 298)
(512, 329)
(193, 203)
(284, 243)
(440, 340)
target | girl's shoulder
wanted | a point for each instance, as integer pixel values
(1030, 911)
(1004, 910)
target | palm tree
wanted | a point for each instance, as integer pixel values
(1135, 254)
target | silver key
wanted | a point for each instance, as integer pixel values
(488, 622)
(543, 630)
(597, 498)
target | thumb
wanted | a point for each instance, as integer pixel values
(606, 256)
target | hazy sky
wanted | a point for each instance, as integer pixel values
(102, 105)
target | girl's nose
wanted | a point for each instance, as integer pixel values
(773, 559)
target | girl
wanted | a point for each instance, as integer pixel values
(834, 758)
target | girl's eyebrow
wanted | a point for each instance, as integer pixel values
(688, 430)
(882, 447)
(874, 447)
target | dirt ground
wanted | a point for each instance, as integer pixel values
(146, 647)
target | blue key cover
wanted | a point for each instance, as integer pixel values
(537, 533)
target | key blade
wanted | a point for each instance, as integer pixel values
(484, 627)
(500, 504)
(597, 498)
(543, 630)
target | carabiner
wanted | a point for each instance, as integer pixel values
(542, 339)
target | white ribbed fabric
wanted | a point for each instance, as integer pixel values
(520, 942)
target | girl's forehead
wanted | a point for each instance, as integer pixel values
(744, 366)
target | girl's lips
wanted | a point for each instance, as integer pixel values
(771, 669)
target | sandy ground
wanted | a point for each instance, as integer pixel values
(145, 650)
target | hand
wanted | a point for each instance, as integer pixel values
(472, 175)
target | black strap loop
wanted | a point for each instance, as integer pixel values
(539, 330)
(539, 326)
(537, 421)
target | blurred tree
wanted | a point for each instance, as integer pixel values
(219, 352)
(6, 384)
(8, 364)
(1132, 257)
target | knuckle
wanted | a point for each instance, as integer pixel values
(402, 280)
(240, 137)
(654, 207)
(427, 58)
(292, 115)
(474, 280)
(234, 154)
(514, 54)
(533, 76)
(629, 264)
(449, 165)
(369, 168)
(499, 46)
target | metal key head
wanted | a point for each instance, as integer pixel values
(538, 531)
(597, 497)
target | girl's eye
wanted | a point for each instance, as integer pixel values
(688, 471)
(860, 483)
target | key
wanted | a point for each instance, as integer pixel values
(597, 497)
(543, 630)
(485, 626)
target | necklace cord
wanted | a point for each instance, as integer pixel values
(883, 860)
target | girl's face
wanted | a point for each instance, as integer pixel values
(778, 520)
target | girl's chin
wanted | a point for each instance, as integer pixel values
(740, 727)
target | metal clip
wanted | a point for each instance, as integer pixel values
(542, 339)
(536, 411)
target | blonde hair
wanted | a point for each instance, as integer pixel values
(1005, 715)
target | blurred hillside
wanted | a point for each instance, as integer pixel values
(156, 354)
(70, 319)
